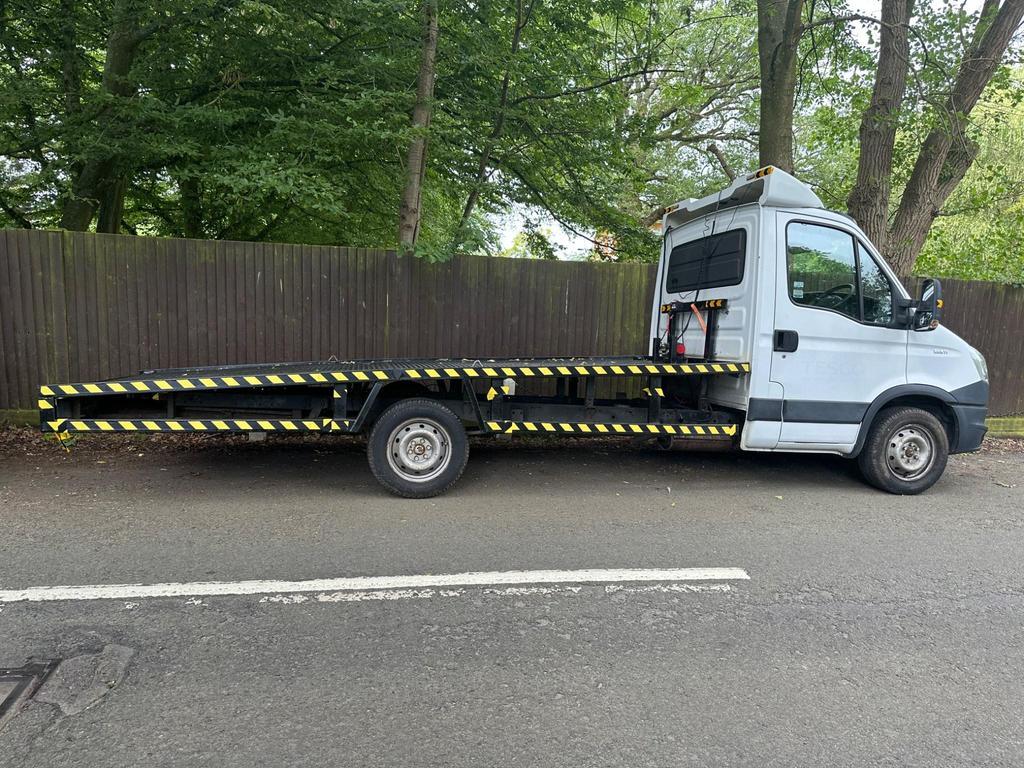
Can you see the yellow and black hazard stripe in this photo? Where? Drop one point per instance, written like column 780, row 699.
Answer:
column 675, row 307
column 196, row 425
column 495, row 392
column 199, row 383
column 583, row 428
column 583, row 369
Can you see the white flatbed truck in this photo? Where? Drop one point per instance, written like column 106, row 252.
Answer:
column 776, row 326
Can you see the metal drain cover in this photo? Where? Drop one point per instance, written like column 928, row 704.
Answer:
column 19, row 683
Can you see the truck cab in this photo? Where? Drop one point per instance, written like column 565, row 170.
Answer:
column 840, row 352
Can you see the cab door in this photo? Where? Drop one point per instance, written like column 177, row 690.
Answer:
column 835, row 346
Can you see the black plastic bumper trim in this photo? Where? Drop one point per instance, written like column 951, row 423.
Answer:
column 970, row 427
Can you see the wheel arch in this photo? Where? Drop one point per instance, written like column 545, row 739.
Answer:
column 933, row 399
column 381, row 396
column 385, row 394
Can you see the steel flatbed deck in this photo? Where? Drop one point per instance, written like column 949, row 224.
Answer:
column 327, row 373
column 344, row 396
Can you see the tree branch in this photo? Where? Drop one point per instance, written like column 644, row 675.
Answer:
column 808, row 26
column 19, row 216
column 726, row 168
column 595, row 86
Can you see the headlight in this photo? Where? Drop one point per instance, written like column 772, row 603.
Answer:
column 979, row 363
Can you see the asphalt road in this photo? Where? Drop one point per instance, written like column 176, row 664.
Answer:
column 874, row 630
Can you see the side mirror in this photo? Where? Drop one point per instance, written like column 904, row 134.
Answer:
column 929, row 306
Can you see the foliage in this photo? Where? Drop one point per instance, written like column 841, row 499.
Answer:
column 289, row 119
column 977, row 233
column 277, row 123
column 533, row 242
column 980, row 234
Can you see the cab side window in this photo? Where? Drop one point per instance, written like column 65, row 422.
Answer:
column 875, row 288
column 828, row 269
column 822, row 268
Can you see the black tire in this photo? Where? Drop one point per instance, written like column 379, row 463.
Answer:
column 905, row 452
column 418, row 448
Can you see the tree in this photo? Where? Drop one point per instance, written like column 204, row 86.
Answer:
column 948, row 151
column 409, row 211
column 250, row 121
column 291, row 120
column 420, row 124
column 779, row 28
column 523, row 12
column 787, row 45
column 616, row 134
column 869, row 199
column 979, row 234
column 694, row 120
column 99, row 177
column 96, row 183
column 945, row 152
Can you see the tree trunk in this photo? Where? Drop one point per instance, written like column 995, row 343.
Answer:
column 81, row 206
column 869, row 199
column 778, row 40
column 77, row 211
column 96, row 182
column 416, row 162
column 522, row 19
column 71, row 64
column 111, row 207
column 947, row 153
column 190, row 196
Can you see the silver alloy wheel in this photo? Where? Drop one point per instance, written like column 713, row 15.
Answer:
column 910, row 451
column 419, row 450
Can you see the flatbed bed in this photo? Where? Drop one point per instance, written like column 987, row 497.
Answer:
column 346, row 396
column 354, row 371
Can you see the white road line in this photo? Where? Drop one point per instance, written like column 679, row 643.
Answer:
column 369, row 583
column 362, row 596
column 613, row 589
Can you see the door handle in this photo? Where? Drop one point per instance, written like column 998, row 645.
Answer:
column 786, row 341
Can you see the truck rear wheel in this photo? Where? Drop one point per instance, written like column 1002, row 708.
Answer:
column 418, row 448
column 905, row 452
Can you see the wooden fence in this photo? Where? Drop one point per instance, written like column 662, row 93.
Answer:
column 80, row 307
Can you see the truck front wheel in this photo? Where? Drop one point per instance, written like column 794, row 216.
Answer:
column 418, row 448
column 905, row 452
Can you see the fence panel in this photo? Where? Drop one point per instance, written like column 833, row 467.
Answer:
column 80, row 306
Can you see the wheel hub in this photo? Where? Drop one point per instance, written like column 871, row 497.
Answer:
column 418, row 449
column 910, row 452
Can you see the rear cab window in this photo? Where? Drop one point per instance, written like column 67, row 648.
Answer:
column 714, row 261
